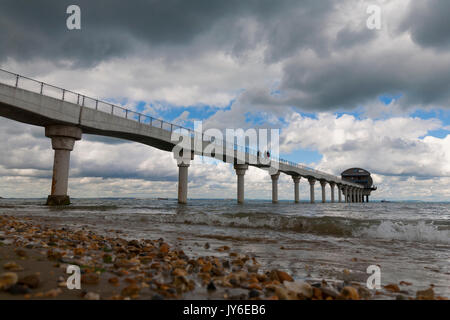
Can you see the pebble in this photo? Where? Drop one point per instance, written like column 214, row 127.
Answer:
column 427, row 294
column 32, row 281
column 253, row 293
column 281, row 293
column 90, row 278
column 280, row 276
column 392, row 287
column 131, row 291
column 349, row 293
column 20, row 253
column 12, row 266
column 53, row 293
column 211, row 286
column 19, row 289
column 300, row 288
column 92, row 296
column 7, row 280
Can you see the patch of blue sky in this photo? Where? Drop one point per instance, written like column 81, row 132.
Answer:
column 388, row 98
column 440, row 114
column 305, row 156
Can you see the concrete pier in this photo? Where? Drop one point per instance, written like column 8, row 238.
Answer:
column 311, row 181
column 183, row 182
column 332, row 184
column 339, row 188
column 323, row 184
column 274, row 178
column 240, row 172
column 50, row 109
column 296, row 180
column 63, row 141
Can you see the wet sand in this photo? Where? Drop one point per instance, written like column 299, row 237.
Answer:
column 34, row 257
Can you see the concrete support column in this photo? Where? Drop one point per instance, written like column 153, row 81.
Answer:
column 350, row 194
column 332, row 184
column 360, row 196
column 339, row 187
column 182, row 182
column 296, row 188
column 240, row 172
column 367, row 198
column 323, row 184
column 311, row 181
column 63, row 141
column 274, row 178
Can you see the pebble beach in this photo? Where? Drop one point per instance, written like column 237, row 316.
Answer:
column 34, row 257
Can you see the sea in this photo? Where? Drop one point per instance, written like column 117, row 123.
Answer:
column 408, row 241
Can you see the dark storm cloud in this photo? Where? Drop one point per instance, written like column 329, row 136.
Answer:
column 325, row 66
column 429, row 23
column 351, row 80
column 37, row 29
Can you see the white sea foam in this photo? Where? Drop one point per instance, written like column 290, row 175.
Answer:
column 419, row 231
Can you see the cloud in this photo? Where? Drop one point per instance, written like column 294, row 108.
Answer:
column 428, row 23
column 175, row 28
column 396, row 146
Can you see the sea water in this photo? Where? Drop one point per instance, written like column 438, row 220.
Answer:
column 334, row 241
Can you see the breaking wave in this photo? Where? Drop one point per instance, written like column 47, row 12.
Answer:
column 422, row 231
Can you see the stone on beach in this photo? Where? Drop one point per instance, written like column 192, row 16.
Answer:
column 299, row 288
column 32, row 281
column 349, row 293
column 280, row 276
column 7, row 280
column 427, row 294
column 92, row 296
column 12, row 266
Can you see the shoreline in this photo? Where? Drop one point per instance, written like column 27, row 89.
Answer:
column 115, row 268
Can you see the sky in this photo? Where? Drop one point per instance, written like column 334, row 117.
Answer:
column 343, row 95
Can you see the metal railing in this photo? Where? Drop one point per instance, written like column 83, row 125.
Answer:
column 52, row 91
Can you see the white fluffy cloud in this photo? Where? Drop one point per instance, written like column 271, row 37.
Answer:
column 394, row 146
